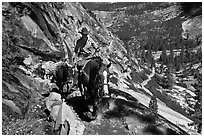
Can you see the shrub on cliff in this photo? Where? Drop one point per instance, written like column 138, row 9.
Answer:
column 13, row 34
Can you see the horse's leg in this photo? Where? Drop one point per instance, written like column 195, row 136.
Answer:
column 92, row 104
column 75, row 78
column 86, row 95
column 80, row 85
column 95, row 108
column 60, row 86
column 62, row 89
column 92, row 90
column 67, row 87
column 96, row 98
column 54, row 79
column 42, row 73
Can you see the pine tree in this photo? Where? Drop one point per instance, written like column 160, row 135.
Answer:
column 150, row 57
column 163, row 57
column 198, row 105
column 177, row 64
column 171, row 56
column 142, row 53
column 153, row 107
column 143, row 56
column 168, row 79
column 182, row 56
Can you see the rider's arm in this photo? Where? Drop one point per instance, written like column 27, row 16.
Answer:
column 76, row 49
column 89, row 47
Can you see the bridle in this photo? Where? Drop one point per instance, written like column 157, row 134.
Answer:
column 101, row 83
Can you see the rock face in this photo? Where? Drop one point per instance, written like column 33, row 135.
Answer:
column 15, row 95
column 57, row 26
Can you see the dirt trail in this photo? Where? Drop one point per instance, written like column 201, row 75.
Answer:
column 146, row 81
column 149, row 78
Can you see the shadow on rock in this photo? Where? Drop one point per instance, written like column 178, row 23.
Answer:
column 171, row 132
column 80, row 107
column 146, row 117
column 153, row 130
column 121, row 93
column 49, row 130
column 120, row 108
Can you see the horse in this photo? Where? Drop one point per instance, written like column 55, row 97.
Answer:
column 62, row 75
column 91, row 78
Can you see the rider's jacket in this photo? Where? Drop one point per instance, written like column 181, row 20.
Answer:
column 80, row 44
column 84, row 46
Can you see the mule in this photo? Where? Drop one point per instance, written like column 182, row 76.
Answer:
column 62, row 76
column 39, row 71
column 91, row 78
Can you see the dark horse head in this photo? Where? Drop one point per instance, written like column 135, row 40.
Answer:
column 62, row 75
column 92, row 80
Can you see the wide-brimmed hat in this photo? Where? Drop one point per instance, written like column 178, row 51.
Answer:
column 84, row 31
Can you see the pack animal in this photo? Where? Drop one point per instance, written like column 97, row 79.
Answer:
column 90, row 81
column 41, row 72
column 62, row 76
